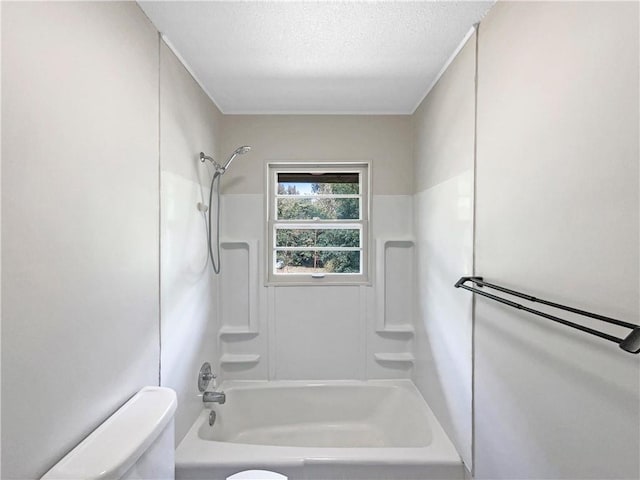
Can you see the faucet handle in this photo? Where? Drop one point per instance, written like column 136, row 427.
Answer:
column 205, row 376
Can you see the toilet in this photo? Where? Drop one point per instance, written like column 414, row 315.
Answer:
column 135, row 443
column 257, row 475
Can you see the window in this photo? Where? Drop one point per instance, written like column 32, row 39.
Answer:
column 318, row 223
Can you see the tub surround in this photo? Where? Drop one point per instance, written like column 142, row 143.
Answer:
column 312, row 332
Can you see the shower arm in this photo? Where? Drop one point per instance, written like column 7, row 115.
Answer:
column 219, row 168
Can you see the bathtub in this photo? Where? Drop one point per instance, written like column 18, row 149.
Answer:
column 346, row 430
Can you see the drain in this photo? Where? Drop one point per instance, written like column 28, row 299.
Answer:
column 212, row 418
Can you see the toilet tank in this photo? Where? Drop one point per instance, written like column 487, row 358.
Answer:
column 136, row 442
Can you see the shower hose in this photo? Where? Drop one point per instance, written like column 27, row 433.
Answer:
column 215, row 259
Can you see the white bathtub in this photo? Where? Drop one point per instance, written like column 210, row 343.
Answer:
column 320, row 430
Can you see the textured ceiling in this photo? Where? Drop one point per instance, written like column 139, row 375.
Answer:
column 315, row 57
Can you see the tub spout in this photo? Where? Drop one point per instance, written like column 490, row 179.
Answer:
column 214, row 397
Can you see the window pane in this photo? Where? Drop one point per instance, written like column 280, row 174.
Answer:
column 318, row 219
column 295, row 261
column 318, row 237
column 318, row 184
column 320, row 208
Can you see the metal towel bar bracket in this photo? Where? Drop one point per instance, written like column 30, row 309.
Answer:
column 630, row 343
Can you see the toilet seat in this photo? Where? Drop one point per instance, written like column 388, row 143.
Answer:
column 257, row 475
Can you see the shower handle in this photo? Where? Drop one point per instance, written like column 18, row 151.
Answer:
column 205, row 376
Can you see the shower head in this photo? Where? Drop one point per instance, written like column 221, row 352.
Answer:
column 238, row 151
column 243, row 149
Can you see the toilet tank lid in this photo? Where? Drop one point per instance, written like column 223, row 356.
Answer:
column 121, row 440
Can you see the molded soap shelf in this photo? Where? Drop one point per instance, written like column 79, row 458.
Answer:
column 406, row 328
column 236, row 331
column 237, row 358
column 394, row 357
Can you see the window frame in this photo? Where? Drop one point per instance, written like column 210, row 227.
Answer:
column 363, row 169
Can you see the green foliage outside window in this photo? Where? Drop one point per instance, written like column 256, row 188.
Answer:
column 316, row 207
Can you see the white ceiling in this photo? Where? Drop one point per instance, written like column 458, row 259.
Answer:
column 315, row 57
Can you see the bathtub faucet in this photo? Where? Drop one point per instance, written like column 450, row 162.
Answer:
column 214, row 397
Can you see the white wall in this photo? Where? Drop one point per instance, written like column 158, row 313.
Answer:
column 79, row 222
column 189, row 123
column 90, row 92
column 383, row 139
column 0, row 248
column 311, row 332
column 557, row 216
column 443, row 224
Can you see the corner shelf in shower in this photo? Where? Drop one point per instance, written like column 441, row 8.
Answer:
column 229, row 331
column 403, row 357
column 231, row 358
column 403, row 329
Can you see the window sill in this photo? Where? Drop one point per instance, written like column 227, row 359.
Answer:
column 316, row 282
